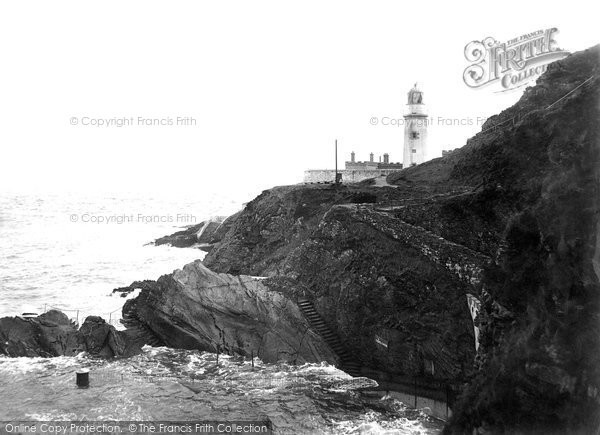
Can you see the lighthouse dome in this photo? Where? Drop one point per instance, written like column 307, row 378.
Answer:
column 415, row 95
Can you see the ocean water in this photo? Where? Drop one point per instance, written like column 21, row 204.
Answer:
column 69, row 252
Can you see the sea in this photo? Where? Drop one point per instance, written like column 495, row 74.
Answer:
column 69, row 252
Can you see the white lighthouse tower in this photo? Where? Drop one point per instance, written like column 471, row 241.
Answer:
column 415, row 129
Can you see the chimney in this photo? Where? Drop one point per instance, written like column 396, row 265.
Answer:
column 352, row 156
column 371, row 157
column 386, row 158
column 379, row 159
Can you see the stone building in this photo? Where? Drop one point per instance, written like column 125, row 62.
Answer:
column 371, row 164
column 355, row 171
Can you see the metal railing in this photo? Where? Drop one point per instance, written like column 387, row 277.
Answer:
column 77, row 311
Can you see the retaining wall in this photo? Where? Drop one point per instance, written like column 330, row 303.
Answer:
column 348, row 176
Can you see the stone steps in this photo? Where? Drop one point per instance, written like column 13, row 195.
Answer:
column 133, row 324
column 348, row 363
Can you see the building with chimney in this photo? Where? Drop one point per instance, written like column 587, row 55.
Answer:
column 414, row 150
column 371, row 163
column 355, row 171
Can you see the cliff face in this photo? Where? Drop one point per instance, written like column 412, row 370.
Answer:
column 371, row 274
column 540, row 371
column 395, row 292
column 535, row 167
column 278, row 221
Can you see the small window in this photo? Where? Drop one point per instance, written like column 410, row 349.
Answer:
column 414, row 135
column 414, row 151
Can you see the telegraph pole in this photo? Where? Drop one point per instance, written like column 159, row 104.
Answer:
column 336, row 171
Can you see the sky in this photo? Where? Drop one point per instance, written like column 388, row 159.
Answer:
column 262, row 88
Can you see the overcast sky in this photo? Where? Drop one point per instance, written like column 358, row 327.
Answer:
column 269, row 84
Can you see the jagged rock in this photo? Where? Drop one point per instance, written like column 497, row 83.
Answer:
column 202, row 235
column 49, row 334
column 52, row 334
column 195, row 308
column 94, row 336
column 278, row 221
column 125, row 291
column 57, row 333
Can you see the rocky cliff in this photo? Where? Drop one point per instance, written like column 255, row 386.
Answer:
column 534, row 172
column 195, row 308
column 538, row 368
column 372, row 275
column 511, row 218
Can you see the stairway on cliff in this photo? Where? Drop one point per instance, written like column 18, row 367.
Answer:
column 347, row 361
column 131, row 321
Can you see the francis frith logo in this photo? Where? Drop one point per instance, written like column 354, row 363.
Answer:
column 511, row 64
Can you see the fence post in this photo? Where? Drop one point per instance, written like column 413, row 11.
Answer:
column 253, row 359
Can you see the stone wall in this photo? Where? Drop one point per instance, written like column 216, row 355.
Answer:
column 348, row 176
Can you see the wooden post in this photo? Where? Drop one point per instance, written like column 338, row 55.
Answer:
column 252, row 359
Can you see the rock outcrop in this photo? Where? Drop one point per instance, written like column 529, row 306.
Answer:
column 50, row 334
column 203, row 235
column 195, row 308
column 136, row 285
column 54, row 334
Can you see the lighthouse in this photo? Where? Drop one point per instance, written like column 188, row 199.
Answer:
column 415, row 129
